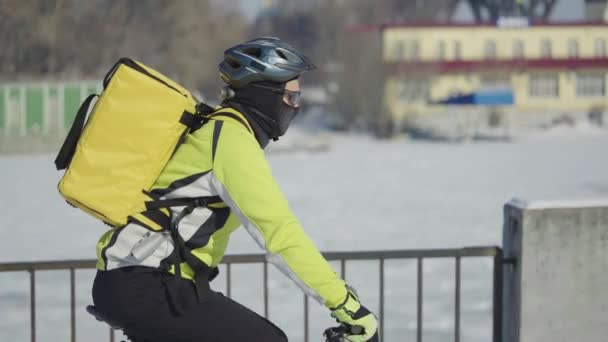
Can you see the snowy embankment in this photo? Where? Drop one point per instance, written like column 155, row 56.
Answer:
column 360, row 194
column 468, row 124
column 300, row 140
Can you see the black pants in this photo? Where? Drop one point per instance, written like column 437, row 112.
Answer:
column 162, row 308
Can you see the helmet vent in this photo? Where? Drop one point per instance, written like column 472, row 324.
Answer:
column 253, row 51
column 233, row 63
column 281, row 54
column 257, row 65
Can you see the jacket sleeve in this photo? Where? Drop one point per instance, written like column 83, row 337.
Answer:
column 242, row 177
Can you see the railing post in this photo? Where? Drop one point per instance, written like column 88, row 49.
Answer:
column 419, row 302
column 381, row 295
column 497, row 297
column 306, row 337
column 32, row 305
column 72, row 305
column 457, row 301
column 266, row 289
column 228, row 280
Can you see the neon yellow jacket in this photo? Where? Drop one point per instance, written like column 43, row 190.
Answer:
column 224, row 159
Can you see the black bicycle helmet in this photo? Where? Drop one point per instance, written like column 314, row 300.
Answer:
column 262, row 59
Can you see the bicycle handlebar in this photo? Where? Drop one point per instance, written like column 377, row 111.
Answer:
column 337, row 334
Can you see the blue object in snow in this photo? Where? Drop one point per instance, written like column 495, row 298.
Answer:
column 481, row 98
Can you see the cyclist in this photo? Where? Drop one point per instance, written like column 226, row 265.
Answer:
column 156, row 284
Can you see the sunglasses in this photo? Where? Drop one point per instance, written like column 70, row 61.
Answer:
column 292, row 98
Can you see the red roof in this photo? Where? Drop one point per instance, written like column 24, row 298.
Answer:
column 541, row 63
column 431, row 24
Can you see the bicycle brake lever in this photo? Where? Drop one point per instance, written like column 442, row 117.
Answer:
column 336, row 334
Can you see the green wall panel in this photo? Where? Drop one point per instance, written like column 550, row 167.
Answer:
column 2, row 111
column 14, row 93
column 14, row 98
column 53, row 107
column 34, row 109
column 72, row 100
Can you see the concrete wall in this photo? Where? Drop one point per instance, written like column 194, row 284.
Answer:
column 556, row 286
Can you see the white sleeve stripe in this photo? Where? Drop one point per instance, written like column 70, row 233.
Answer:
column 256, row 234
column 278, row 262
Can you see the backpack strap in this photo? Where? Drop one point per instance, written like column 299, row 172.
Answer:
column 227, row 112
column 64, row 157
column 190, row 120
column 183, row 202
column 233, row 116
column 203, row 273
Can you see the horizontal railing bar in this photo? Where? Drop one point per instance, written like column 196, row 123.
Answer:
column 414, row 253
column 47, row 265
column 490, row 251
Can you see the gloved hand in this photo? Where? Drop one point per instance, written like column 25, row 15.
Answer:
column 352, row 313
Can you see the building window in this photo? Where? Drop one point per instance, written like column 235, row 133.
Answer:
column 544, row 86
column 441, row 50
column 572, row 48
column 398, row 50
column 412, row 50
column 457, row 50
column 590, row 85
column 413, row 90
column 600, row 48
column 518, row 49
column 490, row 49
column 545, row 48
column 495, row 81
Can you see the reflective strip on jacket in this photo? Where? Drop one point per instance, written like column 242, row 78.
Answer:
column 224, row 158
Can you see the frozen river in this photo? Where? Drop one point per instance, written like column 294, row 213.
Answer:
column 360, row 195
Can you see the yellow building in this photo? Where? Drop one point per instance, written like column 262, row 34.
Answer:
column 561, row 67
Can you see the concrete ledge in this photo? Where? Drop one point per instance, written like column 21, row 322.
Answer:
column 558, row 204
column 556, row 281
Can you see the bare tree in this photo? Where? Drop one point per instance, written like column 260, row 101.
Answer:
column 72, row 38
column 352, row 59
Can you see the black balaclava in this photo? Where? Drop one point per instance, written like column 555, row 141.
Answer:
column 267, row 113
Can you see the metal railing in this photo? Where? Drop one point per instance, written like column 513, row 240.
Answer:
column 342, row 257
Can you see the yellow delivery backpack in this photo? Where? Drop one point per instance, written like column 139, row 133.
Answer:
column 114, row 157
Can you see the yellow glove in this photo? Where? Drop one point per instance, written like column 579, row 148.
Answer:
column 355, row 316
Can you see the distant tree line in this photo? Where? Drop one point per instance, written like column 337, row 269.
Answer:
column 76, row 39
column 186, row 38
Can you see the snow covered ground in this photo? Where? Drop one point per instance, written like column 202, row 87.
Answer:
column 360, row 194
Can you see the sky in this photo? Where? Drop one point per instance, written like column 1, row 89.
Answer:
column 250, row 7
column 564, row 9
column 569, row 10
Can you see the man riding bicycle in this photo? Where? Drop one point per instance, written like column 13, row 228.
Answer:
column 156, row 284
